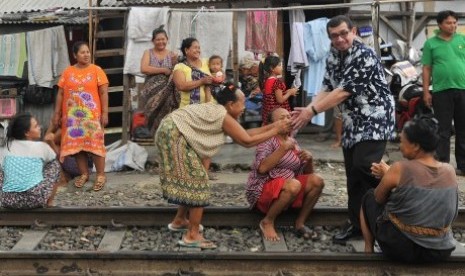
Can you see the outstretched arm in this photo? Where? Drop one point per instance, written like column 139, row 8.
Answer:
column 302, row 115
column 253, row 137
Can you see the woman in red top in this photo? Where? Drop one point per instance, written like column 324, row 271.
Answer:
column 274, row 90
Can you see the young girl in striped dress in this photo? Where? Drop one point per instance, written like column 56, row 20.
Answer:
column 274, row 90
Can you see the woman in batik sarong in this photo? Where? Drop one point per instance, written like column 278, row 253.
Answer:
column 192, row 78
column 158, row 97
column 81, row 110
column 188, row 135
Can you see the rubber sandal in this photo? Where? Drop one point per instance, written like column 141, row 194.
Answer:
column 202, row 244
column 306, row 233
column 99, row 182
column 182, row 228
column 81, row 180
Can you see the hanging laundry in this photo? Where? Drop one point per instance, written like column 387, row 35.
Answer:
column 141, row 23
column 12, row 54
column 47, row 55
column 179, row 28
column 214, row 32
column 261, row 29
column 297, row 56
column 317, row 47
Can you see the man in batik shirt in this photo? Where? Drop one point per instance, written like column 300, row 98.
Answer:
column 355, row 81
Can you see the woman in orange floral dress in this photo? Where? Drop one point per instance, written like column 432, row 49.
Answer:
column 81, row 110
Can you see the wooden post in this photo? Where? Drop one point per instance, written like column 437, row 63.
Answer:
column 90, row 30
column 235, row 52
column 411, row 26
column 128, row 81
column 375, row 24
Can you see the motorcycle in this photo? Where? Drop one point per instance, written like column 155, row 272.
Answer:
column 407, row 89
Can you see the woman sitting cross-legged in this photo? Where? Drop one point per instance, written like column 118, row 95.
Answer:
column 282, row 176
column 411, row 212
column 30, row 171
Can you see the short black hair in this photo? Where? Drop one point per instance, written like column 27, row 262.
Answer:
column 215, row 57
column 77, row 45
column 423, row 130
column 338, row 20
column 442, row 15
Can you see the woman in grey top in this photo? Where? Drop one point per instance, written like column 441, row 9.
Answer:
column 411, row 211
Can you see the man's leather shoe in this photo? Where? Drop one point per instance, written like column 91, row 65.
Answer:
column 349, row 231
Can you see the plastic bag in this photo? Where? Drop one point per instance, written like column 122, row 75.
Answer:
column 128, row 155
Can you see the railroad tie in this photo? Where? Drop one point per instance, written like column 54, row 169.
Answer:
column 29, row 240
column 459, row 249
column 275, row 246
column 112, row 240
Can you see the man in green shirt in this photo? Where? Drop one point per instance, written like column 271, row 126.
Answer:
column 444, row 66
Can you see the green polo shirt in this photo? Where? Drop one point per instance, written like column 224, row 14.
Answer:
column 447, row 59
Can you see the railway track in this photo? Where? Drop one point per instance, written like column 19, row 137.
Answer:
column 108, row 258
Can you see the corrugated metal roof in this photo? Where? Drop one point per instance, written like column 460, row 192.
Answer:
column 15, row 6
column 68, row 11
column 165, row 2
column 72, row 17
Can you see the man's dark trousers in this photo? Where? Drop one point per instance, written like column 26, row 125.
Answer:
column 357, row 161
column 450, row 104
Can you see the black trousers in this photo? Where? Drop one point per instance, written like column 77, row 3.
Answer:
column 357, row 161
column 450, row 105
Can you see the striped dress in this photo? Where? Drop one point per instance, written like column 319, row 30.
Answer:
column 288, row 167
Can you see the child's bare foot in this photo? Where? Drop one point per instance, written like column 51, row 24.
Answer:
column 268, row 231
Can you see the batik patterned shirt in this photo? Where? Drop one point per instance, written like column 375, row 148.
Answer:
column 368, row 113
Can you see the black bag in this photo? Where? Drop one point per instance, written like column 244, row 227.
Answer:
column 39, row 95
column 142, row 132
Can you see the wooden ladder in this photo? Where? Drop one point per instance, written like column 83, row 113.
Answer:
column 108, row 50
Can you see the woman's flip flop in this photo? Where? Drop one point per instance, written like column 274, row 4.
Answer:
column 202, row 244
column 99, row 182
column 81, row 180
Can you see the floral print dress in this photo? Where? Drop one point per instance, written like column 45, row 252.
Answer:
column 81, row 111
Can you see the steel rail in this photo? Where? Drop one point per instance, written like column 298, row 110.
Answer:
column 156, row 216
column 215, row 263
column 159, row 216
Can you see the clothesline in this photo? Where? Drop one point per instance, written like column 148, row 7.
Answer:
column 302, row 7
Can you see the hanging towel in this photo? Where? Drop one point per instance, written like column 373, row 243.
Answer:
column 261, row 28
column 47, row 55
column 141, row 23
column 214, row 33
column 12, row 54
column 179, row 28
column 317, row 46
column 297, row 56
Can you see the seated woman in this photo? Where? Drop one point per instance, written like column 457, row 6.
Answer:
column 30, row 171
column 411, row 211
column 282, row 176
